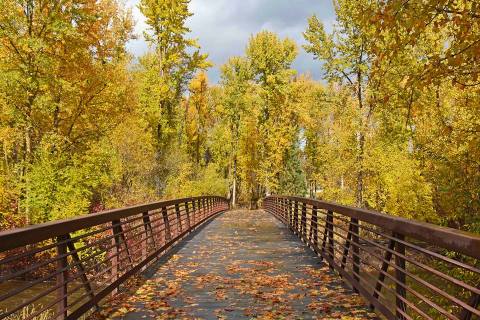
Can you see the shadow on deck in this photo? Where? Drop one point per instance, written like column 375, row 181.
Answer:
column 241, row 265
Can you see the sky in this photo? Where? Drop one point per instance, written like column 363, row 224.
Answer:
column 223, row 27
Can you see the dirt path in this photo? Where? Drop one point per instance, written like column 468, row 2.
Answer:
column 242, row 265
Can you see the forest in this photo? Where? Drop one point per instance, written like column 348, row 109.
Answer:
column 393, row 126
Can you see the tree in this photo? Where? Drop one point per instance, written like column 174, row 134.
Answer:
column 169, row 68
column 197, row 116
column 236, row 102
column 425, row 60
column 270, row 60
column 62, row 80
column 346, row 62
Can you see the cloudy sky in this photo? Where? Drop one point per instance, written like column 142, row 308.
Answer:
column 223, row 27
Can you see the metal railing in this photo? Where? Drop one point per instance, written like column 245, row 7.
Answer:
column 406, row 269
column 62, row 269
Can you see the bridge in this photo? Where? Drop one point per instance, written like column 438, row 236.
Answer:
column 194, row 258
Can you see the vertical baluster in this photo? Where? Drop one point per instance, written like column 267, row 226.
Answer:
column 62, row 264
column 401, row 277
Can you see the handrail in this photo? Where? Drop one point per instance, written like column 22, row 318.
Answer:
column 406, row 269
column 449, row 238
column 18, row 237
column 71, row 265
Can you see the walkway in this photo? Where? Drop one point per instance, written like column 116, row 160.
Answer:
column 242, row 265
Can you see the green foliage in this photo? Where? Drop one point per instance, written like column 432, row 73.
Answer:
column 190, row 182
column 62, row 186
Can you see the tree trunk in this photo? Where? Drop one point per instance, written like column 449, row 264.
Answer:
column 359, row 191
column 234, row 192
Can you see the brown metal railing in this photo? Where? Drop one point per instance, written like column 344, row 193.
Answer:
column 406, row 269
column 62, row 269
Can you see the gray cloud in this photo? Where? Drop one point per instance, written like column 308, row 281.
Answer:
column 223, row 27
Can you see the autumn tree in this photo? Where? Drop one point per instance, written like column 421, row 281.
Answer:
column 270, row 59
column 197, row 116
column 62, row 84
column 346, row 59
column 425, row 58
column 170, row 66
column 236, row 104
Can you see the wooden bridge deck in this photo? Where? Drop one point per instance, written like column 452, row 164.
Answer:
column 241, row 265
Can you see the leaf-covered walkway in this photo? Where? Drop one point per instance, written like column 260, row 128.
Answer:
column 242, row 265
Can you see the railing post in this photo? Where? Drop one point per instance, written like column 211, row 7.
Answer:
column 114, row 258
column 304, row 222
column 474, row 303
column 200, row 210
column 79, row 265
column 206, row 208
column 119, row 237
column 62, row 264
column 187, row 211
column 331, row 244
column 179, row 218
column 194, row 212
column 356, row 248
column 166, row 222
column 385, row 264
column 288, row 204
column 279, row 208
column 295, row 218
column 401, row 292
column 274, row 204
column 313, row 228
column 147, row 225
